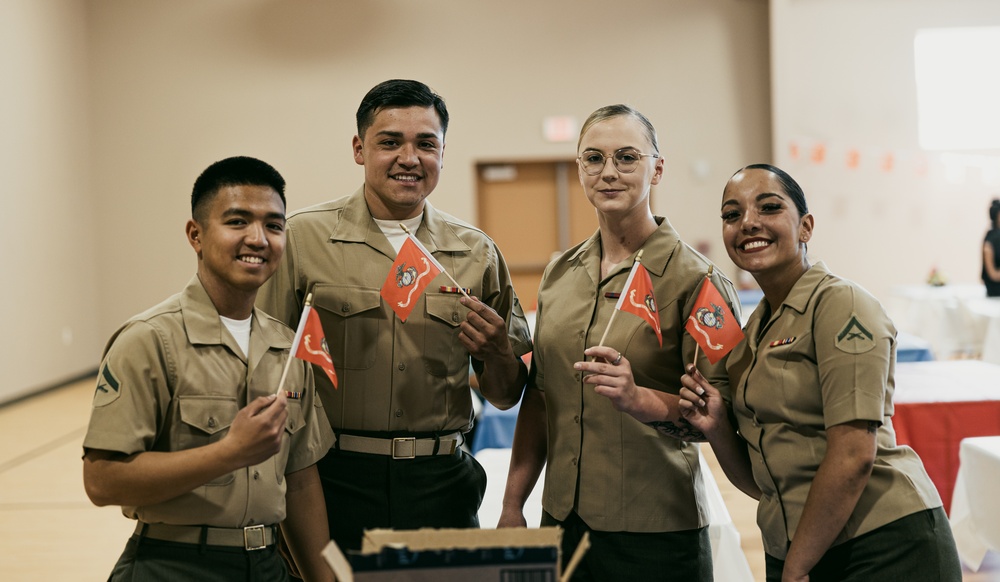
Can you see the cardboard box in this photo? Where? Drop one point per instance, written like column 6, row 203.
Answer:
column 445, row 555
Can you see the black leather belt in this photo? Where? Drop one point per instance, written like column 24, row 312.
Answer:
column 253, row 537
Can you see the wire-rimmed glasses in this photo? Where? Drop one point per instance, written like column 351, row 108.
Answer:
column 626, row 160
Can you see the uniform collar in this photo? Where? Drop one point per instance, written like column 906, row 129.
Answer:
column 803, row 289
column 357, row 225
column 656, row 250
column 203, row 326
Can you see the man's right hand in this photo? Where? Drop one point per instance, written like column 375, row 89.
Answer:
column 258, row 429
column 512, row 518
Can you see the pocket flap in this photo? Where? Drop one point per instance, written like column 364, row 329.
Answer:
column 445, row 308
column 210, row 414
column 345, row 301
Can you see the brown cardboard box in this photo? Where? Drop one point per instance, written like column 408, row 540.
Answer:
column 446, row 555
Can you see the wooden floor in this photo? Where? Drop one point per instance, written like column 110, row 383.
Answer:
column 49, row 530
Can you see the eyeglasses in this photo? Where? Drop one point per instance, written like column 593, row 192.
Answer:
column 626, row 160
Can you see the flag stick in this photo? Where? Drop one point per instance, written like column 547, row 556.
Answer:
column 708, row 277
column 291, row 353
column 638, row 259
column 446, row 273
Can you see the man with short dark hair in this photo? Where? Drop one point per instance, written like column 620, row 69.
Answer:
column 187, row 432
column 404, row 401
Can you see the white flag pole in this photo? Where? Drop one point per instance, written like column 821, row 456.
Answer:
column 295, row 342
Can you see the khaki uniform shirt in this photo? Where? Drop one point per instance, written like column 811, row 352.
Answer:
column 395, row 377
column 617, row 473
column 173, row 378
column 826, row 357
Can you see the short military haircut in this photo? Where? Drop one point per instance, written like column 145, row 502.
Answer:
column 399, row 93
column 235, row 171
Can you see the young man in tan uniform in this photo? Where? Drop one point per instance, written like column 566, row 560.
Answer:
column 187, row 433
column 403, row 400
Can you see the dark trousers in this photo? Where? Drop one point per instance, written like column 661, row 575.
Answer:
column 374, row 491
column 916, row 548
column 149, row 560
column 680, row 555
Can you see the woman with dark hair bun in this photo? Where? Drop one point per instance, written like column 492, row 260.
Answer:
column 991, row 252
column 809, row 429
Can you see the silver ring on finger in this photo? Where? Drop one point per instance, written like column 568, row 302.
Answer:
column 617, row 360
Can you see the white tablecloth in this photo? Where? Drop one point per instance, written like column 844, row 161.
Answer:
column 729, row 562
column 975, row 507
column 940, row 315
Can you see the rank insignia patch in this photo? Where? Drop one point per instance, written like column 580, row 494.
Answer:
column 108, row 387
column 854, row 337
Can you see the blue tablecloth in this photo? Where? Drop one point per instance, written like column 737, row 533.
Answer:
column 494, row 428
column 910, row 348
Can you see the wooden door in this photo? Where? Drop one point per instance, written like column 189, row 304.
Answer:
column 532, row 210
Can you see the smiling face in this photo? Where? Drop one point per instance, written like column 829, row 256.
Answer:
column 761, row 227
column 612, row 191
column 402, row 152
column 239, row 238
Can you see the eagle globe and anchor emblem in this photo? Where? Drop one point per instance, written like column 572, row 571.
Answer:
column 711, row 318
column 406, row 276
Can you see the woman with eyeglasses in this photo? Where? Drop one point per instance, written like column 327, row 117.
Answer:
column 629, row 482
column 812, row 391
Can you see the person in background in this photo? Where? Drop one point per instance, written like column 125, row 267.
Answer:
column 812, row 391
column 637, row 491
column 187, row 432
column 991, row 252
column 403, row 401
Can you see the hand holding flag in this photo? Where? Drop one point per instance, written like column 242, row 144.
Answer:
column 712, row 325
column 310, row 344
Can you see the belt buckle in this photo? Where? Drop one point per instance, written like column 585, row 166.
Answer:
column 251, row 533
column 401, row 440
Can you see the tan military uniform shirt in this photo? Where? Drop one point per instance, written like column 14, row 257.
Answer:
column 826, row 357
column 173, row 378
column 617, row 473
column 397, row 377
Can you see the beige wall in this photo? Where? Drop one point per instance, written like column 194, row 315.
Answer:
column 50, row 290
column 844, row 77
column 178, row 85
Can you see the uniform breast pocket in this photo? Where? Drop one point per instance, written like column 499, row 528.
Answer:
column 443, row 352
column 204, row 420
column 351, row 317
column 293, row 424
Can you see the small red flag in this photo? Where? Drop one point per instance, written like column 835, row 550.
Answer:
column 310, row 343
column 412, row 272
column 712, row 324
column 637, row 298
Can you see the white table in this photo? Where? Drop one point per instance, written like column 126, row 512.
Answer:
column 728, row 560
column 975, row 507
column 939, row 315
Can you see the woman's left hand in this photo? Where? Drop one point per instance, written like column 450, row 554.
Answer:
column 611, row 375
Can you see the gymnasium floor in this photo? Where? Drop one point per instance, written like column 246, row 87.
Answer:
column 49, row 530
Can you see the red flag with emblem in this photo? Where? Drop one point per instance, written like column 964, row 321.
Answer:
column 310, row 343
column 412, row 272
column 712, row 324
column 637, row 298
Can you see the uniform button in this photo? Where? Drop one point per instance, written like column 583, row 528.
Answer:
column 580, row 334
column 345, row 307
column 399, row 412
column 574, row 462
column 402, row 366
column 252, row 521
column 211, row 422
column 576, row 419
column 454, row 316
column 256, row 475
column 577, row 377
